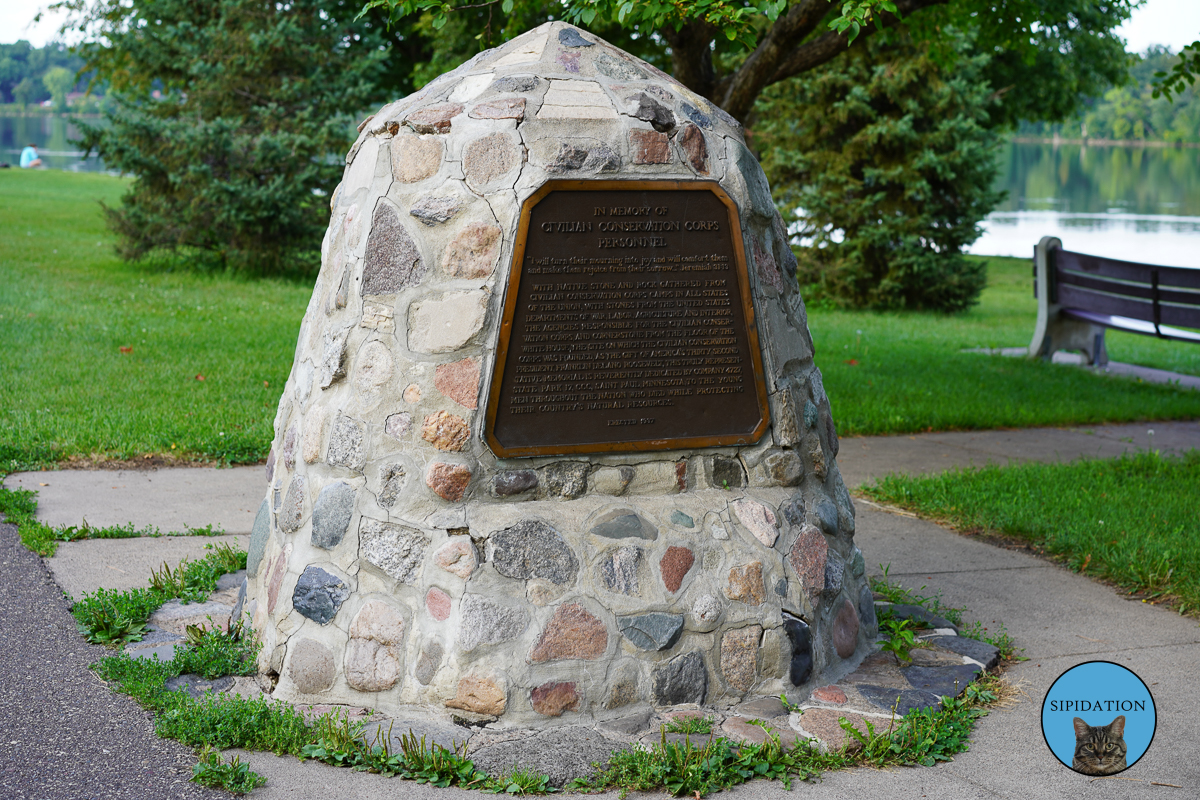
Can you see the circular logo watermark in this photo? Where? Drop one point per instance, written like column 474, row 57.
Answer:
column 1098, row 718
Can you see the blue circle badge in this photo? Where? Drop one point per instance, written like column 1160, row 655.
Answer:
column 1098, row 718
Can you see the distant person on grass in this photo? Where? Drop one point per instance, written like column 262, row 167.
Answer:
column 30, row 158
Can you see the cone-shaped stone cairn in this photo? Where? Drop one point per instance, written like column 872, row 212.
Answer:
column 398, row 561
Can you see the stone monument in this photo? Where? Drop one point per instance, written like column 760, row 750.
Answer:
column 553, row 445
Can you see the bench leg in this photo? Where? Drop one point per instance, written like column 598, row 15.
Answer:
column 1070, row 334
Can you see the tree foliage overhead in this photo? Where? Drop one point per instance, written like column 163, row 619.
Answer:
column 233, row 156
column 1045, row 55
column 889, row 156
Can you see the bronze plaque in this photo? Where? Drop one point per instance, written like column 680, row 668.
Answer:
column 627, row 324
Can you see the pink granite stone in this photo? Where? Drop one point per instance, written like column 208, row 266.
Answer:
column 674, row 567
column 571, row 633
column 459, row 381
column 807, row 558
column 438, row 603
column 845, row 630
column 457, row 557
column 448, row 481
column 552, row 699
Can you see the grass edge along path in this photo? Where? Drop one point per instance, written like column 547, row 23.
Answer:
column 224, row 721
column 19, row 507
column 1129, row 520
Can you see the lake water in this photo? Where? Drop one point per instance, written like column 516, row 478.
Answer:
column 53, row 136
column 1132, row 203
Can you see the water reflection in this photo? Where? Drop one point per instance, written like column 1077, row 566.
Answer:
column 53, row 136
column 1132, row 203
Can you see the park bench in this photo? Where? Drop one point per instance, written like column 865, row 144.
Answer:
column 1080, row 296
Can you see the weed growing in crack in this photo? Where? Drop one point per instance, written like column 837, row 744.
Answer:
column 683, row 768
column 690, row 725
column 233, row 776
column 112, row 618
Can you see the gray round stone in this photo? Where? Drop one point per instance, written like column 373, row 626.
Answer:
column 331, row 514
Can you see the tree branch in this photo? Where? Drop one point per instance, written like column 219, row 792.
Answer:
column 691, row 55
column 783, row 53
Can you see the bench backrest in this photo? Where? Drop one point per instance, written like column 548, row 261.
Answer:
column 1161, row 295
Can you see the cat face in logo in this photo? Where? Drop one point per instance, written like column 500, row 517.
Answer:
column 1100, row 749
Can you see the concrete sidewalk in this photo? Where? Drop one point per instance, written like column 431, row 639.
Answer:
column 1061, row 619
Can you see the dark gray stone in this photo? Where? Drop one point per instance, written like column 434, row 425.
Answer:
column 810, row 415
column 903, row 700
column 514, row 83
column 532, row 549
column 567, row 159
column 392, row 477
column 346, row 445
column 793, row 510
column 653, row 631
column 984, row 653
column 331, row 515
column 562, row 754
column 436, row 210
column 835, row 573
column 393, row 261
column 831, row 436
column 318, row 594
column 197, row 685
column 827, row 516
column 917, row 614
column 602, row 159
column 514, row 481
column 647, row 109
column 697, row 116
column 428, row 662
column 617, row 68
column 619, row 570
column 231, row 580
column 727, row 473
column 569, row 37
column 781, row 587
column 258, row 538
column 784, row 467
column 800, row 635
column 683, row 679
column 858, row 566
column 292, row 514
column 631, row 723
column 566, row 479
column 623, row 523
column 949, row 681
column 762, row 708
column 761, row 203
column 682, row 519
column 866, row 608
column 240, row 603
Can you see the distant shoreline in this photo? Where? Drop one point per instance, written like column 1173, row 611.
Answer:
column 1055, row 140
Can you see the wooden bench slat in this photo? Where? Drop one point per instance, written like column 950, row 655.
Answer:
column 1077, row 298
column 1100, row 266
column 1132, row 325
column 1104, row 285
column 1179, row 315
column 1143, row 290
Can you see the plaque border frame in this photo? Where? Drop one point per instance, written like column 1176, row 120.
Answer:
column 509, row 309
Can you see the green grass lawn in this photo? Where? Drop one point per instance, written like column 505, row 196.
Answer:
column 906, row 372
column 1130, row 520
column 68, row 306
